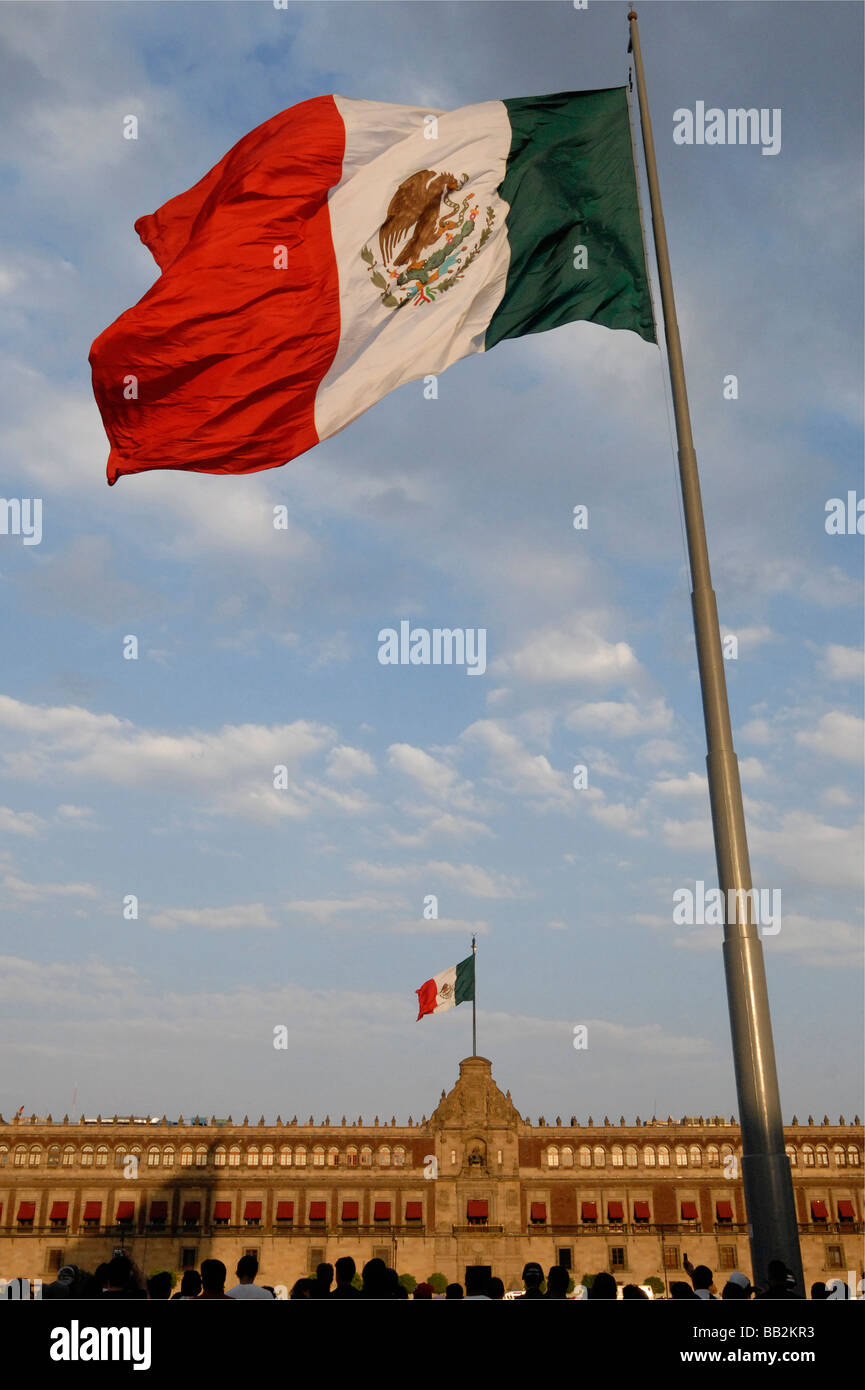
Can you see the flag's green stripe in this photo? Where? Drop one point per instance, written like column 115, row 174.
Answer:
column 464, row 988
column 570, row 181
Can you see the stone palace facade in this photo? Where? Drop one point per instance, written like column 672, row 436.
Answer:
column 475, row 1184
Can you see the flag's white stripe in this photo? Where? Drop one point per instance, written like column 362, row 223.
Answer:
column 382, row 348
column 445, row 990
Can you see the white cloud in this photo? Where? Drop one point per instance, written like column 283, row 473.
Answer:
column 20, row 822
column 575, row 653
column 622, row 718
column 693, row 784
column 837, row 735
column 514, row 768
column 345, row 763
column 471, row 878
column 212, row 918
column 843, row 663
column 38, row 892
column 812, row 851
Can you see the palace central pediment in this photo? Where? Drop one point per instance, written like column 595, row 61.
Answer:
column 475, row 1100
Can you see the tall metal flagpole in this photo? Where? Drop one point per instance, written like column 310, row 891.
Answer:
column 474, row 997
column 772, row 1225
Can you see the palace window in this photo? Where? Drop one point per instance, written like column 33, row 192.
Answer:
column 285, row 1157
column 681, row 1156
column 840, row 1156
column 234, row 1156
column 219, row 1157
column 267, row 1156
column 252, row 1157
column 791, row 1154
column 300, row 1156
column 726, row 1257
column 663, row 1157
column 630, row 1157
column 54, row 1156
column 585, row 1156
column 120, row 1156
column 713, row 1157
column 68, row 1156
column 384, row 1156
column 399, row 1158
column 4, row 1154
column 807, row 1156
column 853, row 1156
column 54, row 1261
column 552, row 1157
column 153, row 1158
column 671, row 1257
column 617, row 1257
column 201, row 1157
column 332, row 1158
column 618, row 1156
column 168, row 1158
column 318, row 1156
column 351, row 1158
column 695, row 1156
column 35, row 1157
column 822, row 1156
column 834, row 1257
column 600, row 1156
column 186, row 1157
column 567, row 1157
column 366, row 1157
column 86, row 1156
column 102, row 1156
column 649, row 1156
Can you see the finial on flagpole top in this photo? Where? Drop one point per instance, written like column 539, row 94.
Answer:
column 632, row 14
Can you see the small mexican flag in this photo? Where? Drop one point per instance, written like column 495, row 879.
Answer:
column 346, row 247
column 445, row 991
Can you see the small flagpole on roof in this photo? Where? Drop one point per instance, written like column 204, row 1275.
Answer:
column 474, row 996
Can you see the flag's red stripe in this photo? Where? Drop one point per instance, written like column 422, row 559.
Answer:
column 227, row 350
column 426, row 998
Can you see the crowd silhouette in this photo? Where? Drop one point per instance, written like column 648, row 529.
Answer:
column 121, row 1278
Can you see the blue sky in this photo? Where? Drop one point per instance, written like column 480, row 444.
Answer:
column 154, row 777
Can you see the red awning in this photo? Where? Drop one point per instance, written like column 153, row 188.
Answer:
column 285, row 1211
column 349, row 1211
column 381, row 1211
column 317, row 1211
column 125, row 1211
column 818, row 1211
column 414, row 1211
column 641, row 1211
column 724, row 1211
column 26, row 1211
column 689, row 1211
column 845, row 1211
column 158, row 1211
column 478, row 1208
column 222, row 1211
column 590, row 1211
column 615, row 1211
column 59, row 1211
column 252, row 1211
column 539, row 1211
column 92, row 1211
column 191, row 1211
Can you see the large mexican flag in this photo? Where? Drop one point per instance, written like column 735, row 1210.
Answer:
column 346, row 247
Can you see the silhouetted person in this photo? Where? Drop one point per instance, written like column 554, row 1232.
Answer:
column 778, row 1282
column 533, row 1277
column 701, row 1278
column 557, row 1282
column 476, row 1283
column 454, row 1291
column 301, row 1288
column 159, row 1285
column 345, row 1272
column 423, row 1291
column 682, row 1290
column 818, row 1292
column 246, row 1288
column 375, row 1280
column 737, row 1286
column 603, row 1286
column 320, row 1286
column 64, row 1286
column 190, row 1285
column 496, row 1288
column 634, row 1291
column 213, row 1274
column 123, row 1279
